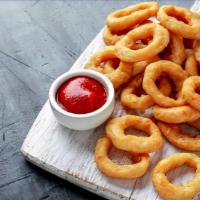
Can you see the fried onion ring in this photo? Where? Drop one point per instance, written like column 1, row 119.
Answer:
column 115, row 131
column 176, row 47
column 152, row 73
column 125, row 18
column 130, row 99
column 180, row 139
column 176, row 115
column 108, row 167
column 159, row 42
column 169, row 191
column 118, row 75
column 189, row 91
column 180, row 21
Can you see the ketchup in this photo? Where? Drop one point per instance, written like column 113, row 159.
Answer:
column 81, row 94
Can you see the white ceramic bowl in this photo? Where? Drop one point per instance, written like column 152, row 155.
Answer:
column 82, row 121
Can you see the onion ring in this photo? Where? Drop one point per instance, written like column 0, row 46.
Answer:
column 169, row 191
column 160, row 41
column 152, row 73
column 119, row 75
column 180, row 21
column 178, row 138
column 108, row 167
column 189, row 91
column 176, row 115
column 177, row 52
column 125, row 18
column 191, row 65
column 130, row 99
column 115, row 131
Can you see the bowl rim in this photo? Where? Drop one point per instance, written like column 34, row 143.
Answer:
column 81, row 72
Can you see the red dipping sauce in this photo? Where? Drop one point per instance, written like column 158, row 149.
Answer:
column 81, row 95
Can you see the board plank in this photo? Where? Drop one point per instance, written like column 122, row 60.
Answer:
column 69, row 154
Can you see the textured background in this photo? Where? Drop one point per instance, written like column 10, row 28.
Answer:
column 39, row 40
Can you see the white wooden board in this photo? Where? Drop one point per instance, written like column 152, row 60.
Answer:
column 69, row 154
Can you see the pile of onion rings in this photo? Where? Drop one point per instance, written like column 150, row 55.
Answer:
column 152, row 57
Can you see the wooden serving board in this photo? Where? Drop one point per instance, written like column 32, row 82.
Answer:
column 69, row 154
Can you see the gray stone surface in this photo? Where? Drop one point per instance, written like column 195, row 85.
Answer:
column 39, row 40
